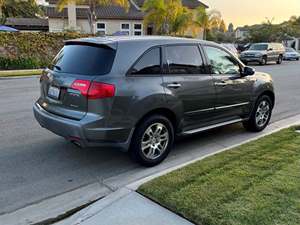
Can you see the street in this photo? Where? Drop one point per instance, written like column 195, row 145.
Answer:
column 36, row 164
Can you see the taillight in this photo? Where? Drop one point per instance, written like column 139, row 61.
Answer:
column 101, row 90
column 82, row 86
column 94, row 90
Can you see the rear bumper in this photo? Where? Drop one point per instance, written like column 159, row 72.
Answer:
column 84, row 132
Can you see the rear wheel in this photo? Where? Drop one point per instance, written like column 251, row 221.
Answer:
column 152, row 141
column 261, row 115
column 279, row 60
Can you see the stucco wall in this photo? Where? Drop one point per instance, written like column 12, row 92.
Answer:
column 112, row 26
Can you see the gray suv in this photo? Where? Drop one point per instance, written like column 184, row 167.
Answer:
column 139, row 93
column 264, row 53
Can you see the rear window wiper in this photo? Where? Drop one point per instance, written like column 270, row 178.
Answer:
column 56, row 67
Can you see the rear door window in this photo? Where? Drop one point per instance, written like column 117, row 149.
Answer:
column 149, row 63
column 84, row 60
column 184, row 59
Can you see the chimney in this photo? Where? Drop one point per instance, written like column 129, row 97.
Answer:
column 72, row 15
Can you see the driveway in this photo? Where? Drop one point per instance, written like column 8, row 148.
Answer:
column 36, row 164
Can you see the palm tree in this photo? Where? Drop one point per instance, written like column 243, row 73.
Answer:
column 156, row 12
column 166, row 16
column 207, row 20
column 92, row 7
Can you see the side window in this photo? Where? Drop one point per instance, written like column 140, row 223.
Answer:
column 221, row 62
column 149, row 63
column 184, row 60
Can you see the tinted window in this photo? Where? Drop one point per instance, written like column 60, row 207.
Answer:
column 83, row 59
column 149, row 63
column 184, row 60
column 221, row 62
column 259, row 47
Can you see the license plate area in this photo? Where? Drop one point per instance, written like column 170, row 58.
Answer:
column 54, row 92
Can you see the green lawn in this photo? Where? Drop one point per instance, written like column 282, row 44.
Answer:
column 257, row 183
column 14, row 73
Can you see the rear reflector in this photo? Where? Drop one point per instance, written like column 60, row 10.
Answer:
column 94, row 90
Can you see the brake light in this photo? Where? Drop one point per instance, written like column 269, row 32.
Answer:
column 101, row 90
column 82, row 86
column 94, row 90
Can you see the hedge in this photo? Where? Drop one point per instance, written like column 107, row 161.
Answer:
column 31, row 50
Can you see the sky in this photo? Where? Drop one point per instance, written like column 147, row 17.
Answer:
column 249, row 12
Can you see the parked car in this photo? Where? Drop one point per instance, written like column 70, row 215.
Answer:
column 140, row 93
column 263, row 53
column 243, row 47
column 231, row 47
column 291, row 54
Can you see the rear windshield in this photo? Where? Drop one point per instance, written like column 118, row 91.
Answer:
column 84, row 60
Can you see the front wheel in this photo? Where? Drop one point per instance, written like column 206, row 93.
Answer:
column 279, row 60
column 264, row 60
column 152, row 141
column 261, row 115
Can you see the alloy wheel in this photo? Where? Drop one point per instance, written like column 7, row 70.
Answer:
column 155, row 141
column 262, row 113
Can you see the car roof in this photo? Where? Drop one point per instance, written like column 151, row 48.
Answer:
column 155, row 40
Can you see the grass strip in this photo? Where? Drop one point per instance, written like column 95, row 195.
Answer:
column 15, row 73
column 255, row 183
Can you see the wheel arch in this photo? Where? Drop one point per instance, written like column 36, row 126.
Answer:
column 161, row 111
column 269, row 94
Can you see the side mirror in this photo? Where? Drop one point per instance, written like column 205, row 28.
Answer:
column 270, row 49
column 248, row 71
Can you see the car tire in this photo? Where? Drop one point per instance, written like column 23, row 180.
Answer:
column 264, row 60
column 261, row 115
column 157, row 145
column 279, row 60
column 298, row 59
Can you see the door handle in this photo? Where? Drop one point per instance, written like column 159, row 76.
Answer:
column 174, row 85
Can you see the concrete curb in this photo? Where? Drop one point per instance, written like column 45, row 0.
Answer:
column 122, row 192
column 135, row 185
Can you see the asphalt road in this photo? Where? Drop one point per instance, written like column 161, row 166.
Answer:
column 36, row 164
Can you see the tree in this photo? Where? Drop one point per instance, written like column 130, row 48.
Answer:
column 230, row 28
column 92, row 7
column 222, row 27
column 20, row 8
column 167, row 16
column 207, row 20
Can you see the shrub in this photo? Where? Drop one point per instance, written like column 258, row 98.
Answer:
column 31, row 50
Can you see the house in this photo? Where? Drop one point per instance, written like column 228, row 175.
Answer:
column 110, row 19
column 28, row 24
column 241, row 33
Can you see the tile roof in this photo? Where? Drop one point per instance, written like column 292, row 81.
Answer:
column 31, row 22
column 108, row 12
column 192, row 4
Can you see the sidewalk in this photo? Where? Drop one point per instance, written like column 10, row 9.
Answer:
column 126, row 206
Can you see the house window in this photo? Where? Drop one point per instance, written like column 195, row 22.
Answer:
column 101, row 28
column 125, row 27
column 138, row 29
